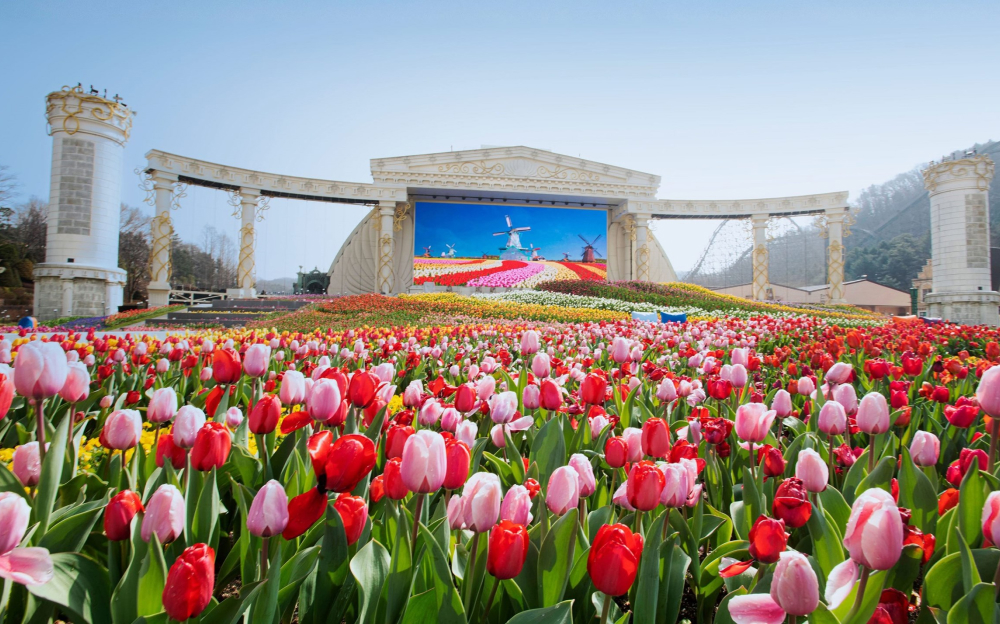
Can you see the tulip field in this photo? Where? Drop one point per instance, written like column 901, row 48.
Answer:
column 527, row 459
column 494, row 273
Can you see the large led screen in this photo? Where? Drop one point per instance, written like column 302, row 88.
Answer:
column 507, row 246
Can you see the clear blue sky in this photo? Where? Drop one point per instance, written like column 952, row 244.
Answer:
column 723, row 99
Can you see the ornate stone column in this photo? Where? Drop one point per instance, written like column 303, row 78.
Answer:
column 640, row 261
column 384, row 279
column 759, row 255
column 835, row 254
column 960, row 241
column 160, row 234
column 246, row 269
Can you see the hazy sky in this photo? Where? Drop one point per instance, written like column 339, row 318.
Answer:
column 725, row 100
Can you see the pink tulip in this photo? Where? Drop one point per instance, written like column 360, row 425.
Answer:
column 162, row 364
column 782, row 403
column 77, row 386
column 833, row 418
column 840, row 583
column 988, row 392
column 516, row 505
column 666, row 392
column 268, row 513
column 839, row 373
column 424, row 462
column 456, row 509
column 413, row 395
column 813, row 471
column 293, row 388
column 430, row 412
column 325, row 401
column 794, row 586
column 873, row 414
column 620, row 497
column 122, row 429
column 755, row 609
column 481, row 502
column 256, row 360
column 164, row 515
column 503, row 406
column 874, row 534
column 925, row 448
column 27, row 465
column 233, row 417
column 739, row 376
column 753, row 421
column 806, row 386
column 677, row 485
column 450, row 418
column 585, row 472
column 563, row 491
column 531, row 397
column 188, row 423
column 620, row 349
column 40, row 370
column 27, row 566
column 466, row 432
column 498, row 431
column 847, row 397
column 5, row 347
column 107, row 401
column 14, row 516
column 740, row 356
column 206, row 374
column 541, row 366
column 486, row 386
column 162, row 406
column 385, row 372
column 991, row 517
column 633, row 438
column 529, row 342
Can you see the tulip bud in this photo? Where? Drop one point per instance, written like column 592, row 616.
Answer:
column 516, row 505
column 655, row 438
column 585, row 473
column 264, row 415
column 563, row 492
column 40, row 370
column 613, row 561
column 211, row 447
column 77, row 386
column 27, row 464
column 188, row 589
column 508, row 550
column 293, row 388
column 424, row 463
column 268, row 513
column 256, row 360
column 162, row 405
column 481, row 502
column 234, row 417
column 925, row 448
column 118, row 515
column 794, row 585
column 873, row 414
column 874, row 535
column 833, row 418
column 164, row 515
column 122, row 429
column 813, row 471
column 187, row 424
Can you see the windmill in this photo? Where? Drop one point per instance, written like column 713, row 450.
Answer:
column 513, row 249
column 565, row 256
column 427, row 252
column 534, row 252
column 588, row 251
column 451, row 251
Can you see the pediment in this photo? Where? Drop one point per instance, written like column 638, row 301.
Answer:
column 516, row 162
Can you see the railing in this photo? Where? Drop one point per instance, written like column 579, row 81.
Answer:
column 192, row 297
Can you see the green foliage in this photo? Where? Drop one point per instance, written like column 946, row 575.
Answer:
column 894, row 263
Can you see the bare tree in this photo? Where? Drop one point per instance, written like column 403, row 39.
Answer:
column 31, row 228
column 134, row 249
column 8, row 184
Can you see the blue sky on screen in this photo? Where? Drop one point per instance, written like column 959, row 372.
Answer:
column 470, row 228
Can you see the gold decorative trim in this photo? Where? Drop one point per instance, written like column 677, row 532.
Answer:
column 566, row 173
column 835, row 269
column 179, row 193
column 71, row 101
column 402, row 208
column 245, row 269
column 480, row 168
column 236, row 201
column 385, row 272
column 981, row 167
column 146, row 185
column 162, row 230
column 642, row 263
column 263, row 205
column 519, row 169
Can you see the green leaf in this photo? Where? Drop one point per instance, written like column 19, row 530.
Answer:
column 916, row 493
column 70, row 532
column 51, row 476
column 205, row 528
column 873, row 591
column 152, row 578
column 970, row 574
column 648, row 582
column 976, row 607
column 266, row 606
column 449, row 603
column 556, row 558
column 370, row 567
column 230, row 610
column 673, row 566
column 971, row 499
column 80, row 585
column 548, row 450
column 722, row 615
column 514, row 458
column 558, row 614
column 400, row 574
column 10, row 483
column 421, row 609
column 880, row 477
column 827, row 541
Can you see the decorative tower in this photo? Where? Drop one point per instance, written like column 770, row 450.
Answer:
column 960, row 241
column 80, row 275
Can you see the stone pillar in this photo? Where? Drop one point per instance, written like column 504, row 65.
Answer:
column 640, row 260
column 89, row 133
column 835, row 255
column 384, row 281
column 161, row 231
column 246, row 269
column 960, row 241
column 759, row 255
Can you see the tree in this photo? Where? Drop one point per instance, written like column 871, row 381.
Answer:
column 894, row 263
column 133, row 250
column 31, row 228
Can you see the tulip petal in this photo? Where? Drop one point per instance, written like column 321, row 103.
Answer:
column 840, row 582
column 303, row 512
column 295, row 421
column 28, row 566
column 755, row 609
column 735, row 569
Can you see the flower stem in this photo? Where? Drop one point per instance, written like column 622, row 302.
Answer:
column 40, row 433
column 871, row 453
column 416, row 524
column 263, row 560
column 489, row 602
column 861, row 593
column 996, row 582
column 606, row 609
column 470, row 572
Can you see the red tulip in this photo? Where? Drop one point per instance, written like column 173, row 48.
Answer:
column 956, row 471
column 265, row 414
column 772, row 461
column 119, row 513
column 226, row 366
column 353, row 512
column 395, row 440
column 377, row 489
column 961, row 416
column 361, row 391
column 550, row 395
column 166, row 449
column 508, row 549
column 393, row 480
column 767, row 539
column 459, row 459
column 594, row 389
column 190, row 582
column 947, row 500
column 644, row 486
column 318, row 448
column 211, row 447
column 791, row 503
column 940, row 394
column 719, row 389
column 655, row 438
column 349, row 460
column 614, row 556
column 303, row 511
column 465, row 398
column 616, row 452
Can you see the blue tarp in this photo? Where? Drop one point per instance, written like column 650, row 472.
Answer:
column 666, row 317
